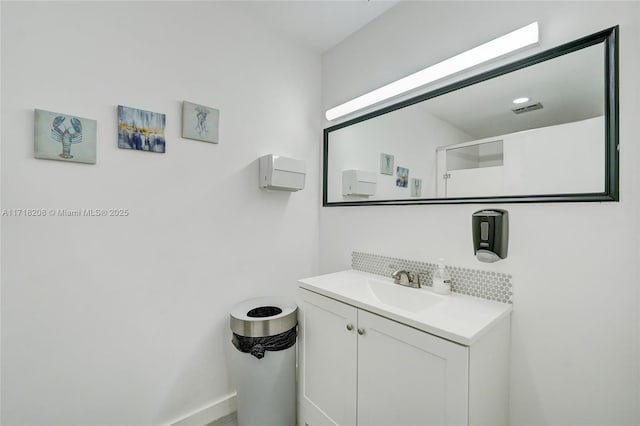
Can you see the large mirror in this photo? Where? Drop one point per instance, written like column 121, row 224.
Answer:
column 541, row 129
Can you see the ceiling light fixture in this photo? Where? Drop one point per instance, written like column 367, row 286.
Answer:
column 501, row 46
column 520, row 100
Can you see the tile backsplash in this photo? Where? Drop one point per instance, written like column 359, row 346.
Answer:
column 474, row 282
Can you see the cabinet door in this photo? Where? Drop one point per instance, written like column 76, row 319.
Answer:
column 328, row 357
column 407, row 377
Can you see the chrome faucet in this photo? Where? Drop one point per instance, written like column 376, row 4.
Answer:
column 405, row 278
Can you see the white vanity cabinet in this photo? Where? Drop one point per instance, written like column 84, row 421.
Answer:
column 360, row 368
column 327, row 361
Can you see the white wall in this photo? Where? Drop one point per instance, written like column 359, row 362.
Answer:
column 562, row 159
column 566, row 158
column 114, row 321
column 575, row 325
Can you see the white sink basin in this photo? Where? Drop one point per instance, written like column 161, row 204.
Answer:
column 455, row 317
column 401, row 297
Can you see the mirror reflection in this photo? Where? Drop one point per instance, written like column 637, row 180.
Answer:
column 539, row 130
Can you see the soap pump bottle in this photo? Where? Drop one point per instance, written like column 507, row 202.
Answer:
column 441, row 279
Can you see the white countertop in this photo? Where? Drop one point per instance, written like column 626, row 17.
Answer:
column 456, row 317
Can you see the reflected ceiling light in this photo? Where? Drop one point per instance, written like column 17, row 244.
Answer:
column 520, row 100
column 508, row 43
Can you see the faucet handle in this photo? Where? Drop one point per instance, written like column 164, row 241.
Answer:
column 414, row 278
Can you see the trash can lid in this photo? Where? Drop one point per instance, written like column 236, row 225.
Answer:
column 263, row 316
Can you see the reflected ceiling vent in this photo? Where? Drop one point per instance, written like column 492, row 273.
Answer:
column 527, row 108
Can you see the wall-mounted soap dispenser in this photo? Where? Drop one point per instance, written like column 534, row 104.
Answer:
column 281, row 173
column 490, row 235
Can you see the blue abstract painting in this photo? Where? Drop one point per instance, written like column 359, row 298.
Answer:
column 64, row 137
column 403, row 177
column 141, row 130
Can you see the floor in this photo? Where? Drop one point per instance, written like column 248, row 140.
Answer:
column 230, row 420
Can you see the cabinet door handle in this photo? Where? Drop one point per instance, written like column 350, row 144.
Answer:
column 361, row 331
column 349, row 327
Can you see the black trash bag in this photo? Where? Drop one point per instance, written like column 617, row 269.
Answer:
column 257, row 346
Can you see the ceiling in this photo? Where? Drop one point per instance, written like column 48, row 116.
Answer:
column 317, row 25
column 570, row 88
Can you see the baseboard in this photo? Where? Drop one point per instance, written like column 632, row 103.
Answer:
column 209, row 413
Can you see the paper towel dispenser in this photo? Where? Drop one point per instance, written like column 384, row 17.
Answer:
column 358, row 182
column 490, row 235
column 281, row 173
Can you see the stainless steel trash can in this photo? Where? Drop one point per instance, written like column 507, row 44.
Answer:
column 264, row 334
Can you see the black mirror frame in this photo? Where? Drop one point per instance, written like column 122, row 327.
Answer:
column 609, row 37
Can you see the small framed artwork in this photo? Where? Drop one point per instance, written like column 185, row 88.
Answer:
column 386, row 164
column 416, row 187
column 64, row 137
column 141, row 130
column 200, row 122
column 402, row 178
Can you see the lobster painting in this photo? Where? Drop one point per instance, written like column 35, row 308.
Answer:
column 66, row 133
column 53, row 128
